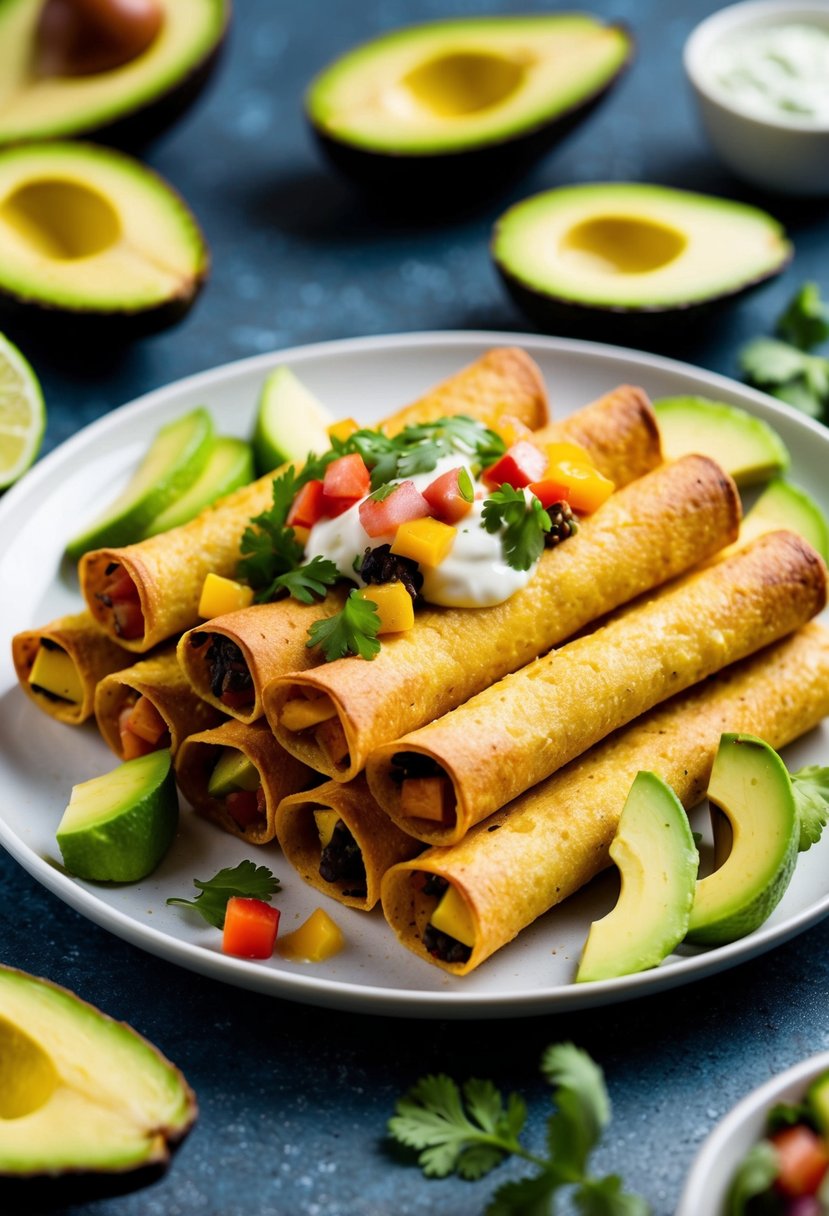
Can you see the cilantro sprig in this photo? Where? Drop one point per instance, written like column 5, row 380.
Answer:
column 523, row 523
column 784, row 366
column 247, row 880
column 470, row 1130
column 810, row 787
column 352, row 630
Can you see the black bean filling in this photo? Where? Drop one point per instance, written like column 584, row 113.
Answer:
column 447, row 949
column 226, row 665
column 414, row 764
column 49, row 644
column 49, row 695
column 342, row 861
column 434, row 885
column 380, row 565
column 563, row 522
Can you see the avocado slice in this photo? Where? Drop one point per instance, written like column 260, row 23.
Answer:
column 233, row 771
column 128, row 103
column 88, row 1108
column 658, row 860
column 783, row 505
column 632, row 253
column 756, row 834
column 117, row 827
column 817, row 1099
column 229, row 465
column 290, row 422
column 173, row 461
column 89, row 234
column 463, row 104
column 745, row 446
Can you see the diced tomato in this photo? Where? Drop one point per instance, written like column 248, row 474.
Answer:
column 549, row 491
column 332, row 507
column 803, row 1158
column 307, row 507
column 132, row 746
column 404, row 503
column 244, row 806
column 146, row 722
column 250, row 928
column 520, row 465
column 238, row 698
column 119, row 586
column 128, row 619
column 445, row 498
column 347, row 477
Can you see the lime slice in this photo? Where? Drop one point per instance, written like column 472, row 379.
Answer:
column 22, row 414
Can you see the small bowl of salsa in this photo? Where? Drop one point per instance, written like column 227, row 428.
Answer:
column 760, row 75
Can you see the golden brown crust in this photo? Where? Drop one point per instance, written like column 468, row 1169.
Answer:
column 160, row 679
column 527, row 726
column 619, row 430
column 381, row 843
column 94, row 654
column 648, row 532
column 281, row 774
column 553, row 839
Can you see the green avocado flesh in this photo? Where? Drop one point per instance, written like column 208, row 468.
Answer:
column 782, row 505
column 38, row 107
column 756, row 831
column 118, row 827
column 290, row 422
column 233, row 771
column 636, row 246
column 745, row 446
column 451, row 86
column 817, row 1099
column 657, row 859
column 79, row 1091
column 175, row 459
column 229, row 465
column 87, row 230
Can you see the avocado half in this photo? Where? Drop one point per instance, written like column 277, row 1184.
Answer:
column 127, row 104
column 631, row 257
column 90, row 233
column 462, row 105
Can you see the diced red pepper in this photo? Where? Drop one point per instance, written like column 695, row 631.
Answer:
column 128, row 619
column 119, row 586
column 250, row 928
column 307, row 507
column 520, row 465
column 146, row 722
column 549, row 492
column 404, row 503
column 803, row 1159
column 132, row 746
column 246, row 806
column 238, row 698
column 347, row 477
column 332, row 507
column 445, row 498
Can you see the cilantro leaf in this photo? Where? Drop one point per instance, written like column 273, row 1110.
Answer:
column 767, row 361
column 755, row 1174
column 523, row 524
column 810, row 787
column 247, row 879
column 269, row 547
column 805, row 320
column 528, row 1197
column 605, row 1197
column 583, row 1105
column 352, row 630
column 303, row 583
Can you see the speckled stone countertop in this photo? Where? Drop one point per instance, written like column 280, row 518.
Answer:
column 294, row 1101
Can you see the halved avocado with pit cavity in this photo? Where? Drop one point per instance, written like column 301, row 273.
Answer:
column 631, row 257
column 44, row 96
column 461, row 105
column 86, row 232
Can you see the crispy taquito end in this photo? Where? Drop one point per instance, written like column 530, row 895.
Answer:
column 230, row 659
column 80, row 655
column 170, row 703
column 340, row 842
column 253, row 818
column 553, row 839
column 438, row 781
column 164, row 574
column 656, row 528
column 618, row 431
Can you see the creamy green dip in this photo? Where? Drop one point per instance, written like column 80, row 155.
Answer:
column 776, row 71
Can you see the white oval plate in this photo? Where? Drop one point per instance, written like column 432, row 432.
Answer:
column 709, row 1181
column 40, row 760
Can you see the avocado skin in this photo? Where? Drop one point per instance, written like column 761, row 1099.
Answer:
column 458, row 179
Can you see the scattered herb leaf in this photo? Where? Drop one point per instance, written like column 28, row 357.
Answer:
column 756, row 1173
column 783, row 366
column 811, row 798
column 247, row 880
column 805, row 320
column 382, row 492
column 352, row 630
column 303, row 583
column 465, row 486
column 523, row 523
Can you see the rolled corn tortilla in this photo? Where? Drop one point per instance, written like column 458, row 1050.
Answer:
column 652, row 530
column 91, row 654
column 550, row 841
column 160, row 679
column 619, row 432
column 168, row 570
column 360, row 851
column 530, row 724
column 280, row 775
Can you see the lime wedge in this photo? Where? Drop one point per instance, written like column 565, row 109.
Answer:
column 22, row 414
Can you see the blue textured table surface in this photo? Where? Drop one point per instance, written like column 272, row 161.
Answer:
column 294, row 1101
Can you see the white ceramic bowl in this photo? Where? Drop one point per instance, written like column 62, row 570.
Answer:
column 787, row 154
column 710, row 1178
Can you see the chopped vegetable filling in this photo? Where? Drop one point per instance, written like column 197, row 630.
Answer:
column 380, row 565
column 230, row 679
column 342, row 860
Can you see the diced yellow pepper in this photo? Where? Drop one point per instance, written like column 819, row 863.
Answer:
column 427, row 541
column 301, row 713
column 301, row 534
column 326, row 820
column 317, row 939
column 220, row 595
column 54, row 671
column 426, row 798
column 587, row 489
column 343, row 429
column 568, row 451
column 452, row 916
column 511, row 429
column 395, row 606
